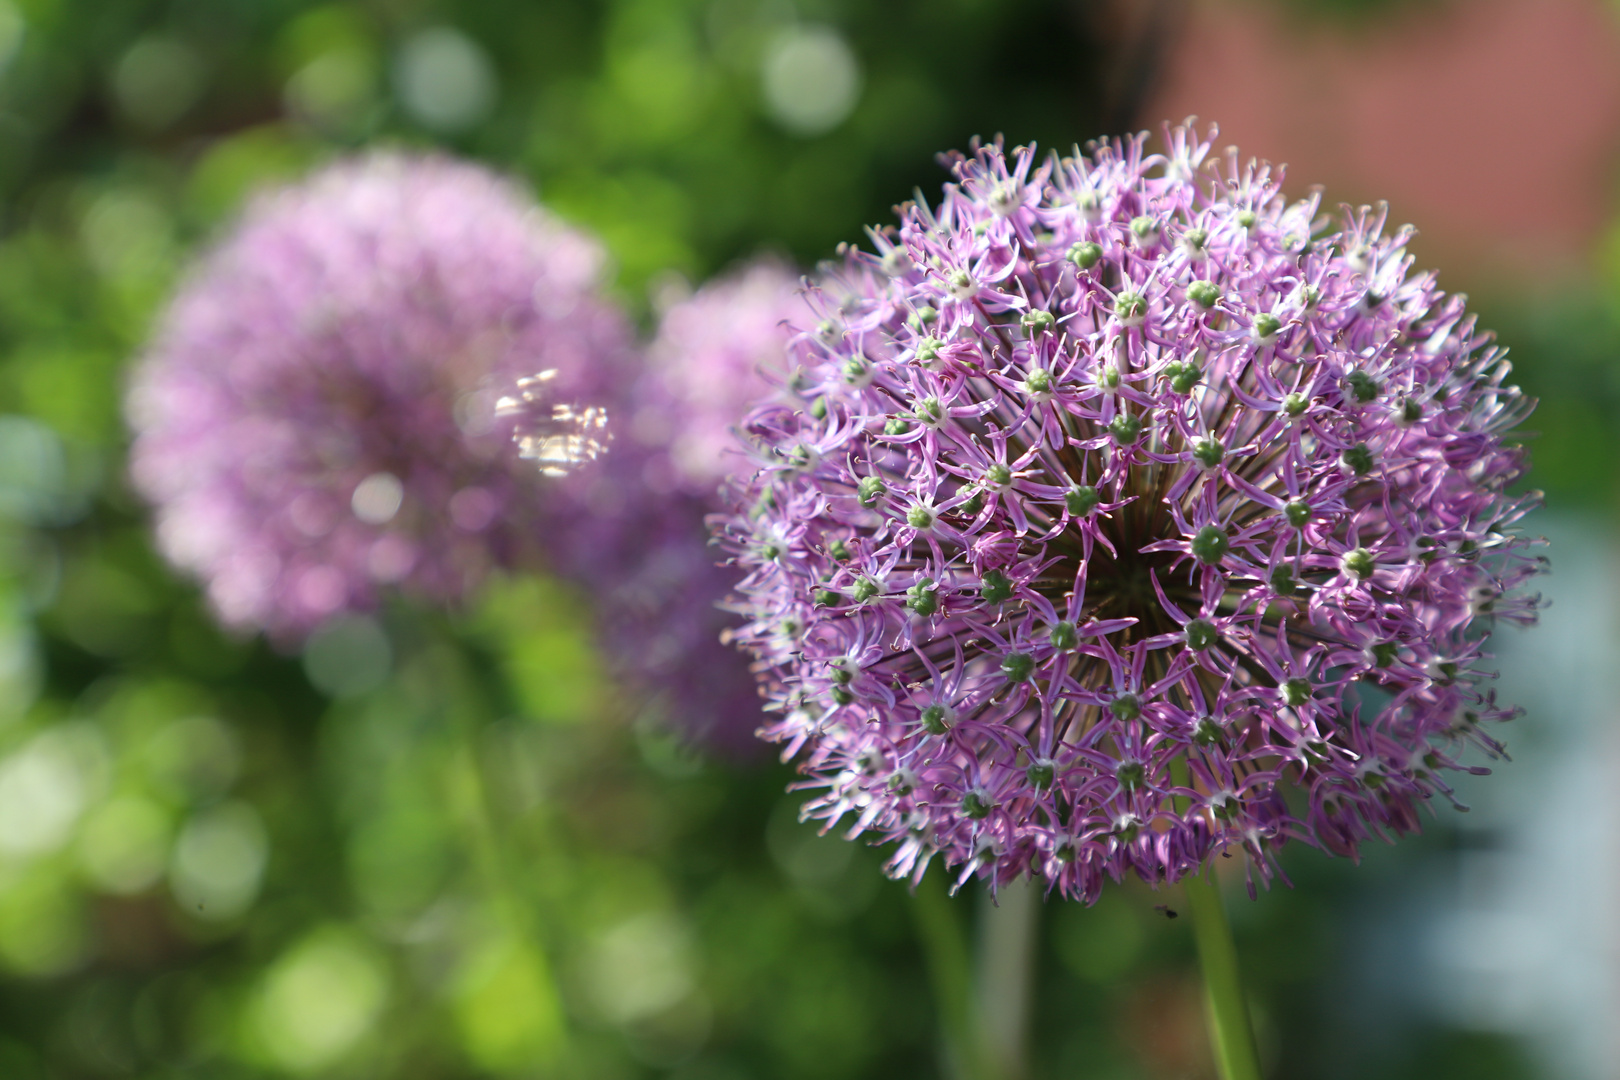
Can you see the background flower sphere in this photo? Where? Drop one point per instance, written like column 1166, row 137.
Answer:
column 317, row 416
column 1128, row 513
column 639, row 544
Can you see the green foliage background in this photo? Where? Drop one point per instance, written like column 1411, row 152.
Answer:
column 450, row 849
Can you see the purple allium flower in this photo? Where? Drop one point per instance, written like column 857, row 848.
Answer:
column 644, row 552
column 710, row 362
column 1131, row 514
column 316, row 418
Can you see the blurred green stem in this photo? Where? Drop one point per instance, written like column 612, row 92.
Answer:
column 489, row 843
column 1007, row 931
column 939, row 929
column 1231, row 1032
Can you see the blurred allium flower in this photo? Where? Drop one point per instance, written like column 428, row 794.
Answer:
column 647, row 559
column 317, row 417
column 1122, row 497
column 711, row 360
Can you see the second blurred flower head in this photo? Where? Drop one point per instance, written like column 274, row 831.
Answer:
column 317, row 417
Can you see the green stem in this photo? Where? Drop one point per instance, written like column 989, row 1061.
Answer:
column 1008, row 927
column 1231, row 1032
column 939, row 929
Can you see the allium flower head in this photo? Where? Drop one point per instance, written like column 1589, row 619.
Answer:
column 647, row 561
column 1132, row 514
column 709, row 363
column 317, row 416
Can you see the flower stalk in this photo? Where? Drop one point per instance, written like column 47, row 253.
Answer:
column 1231, row 1033
column 1009, row 925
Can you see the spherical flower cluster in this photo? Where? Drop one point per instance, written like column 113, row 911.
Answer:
column 1128, row 514
column 316, row 418
column 709, row 363
column 640, row 545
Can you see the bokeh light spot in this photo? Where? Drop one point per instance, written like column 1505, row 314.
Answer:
column 812, row 80
column 348, row 656
column 444, row 79
column 157, row 80
column 319, row 1001
column 218, row 862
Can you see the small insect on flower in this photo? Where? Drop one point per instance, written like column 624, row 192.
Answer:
column 316, row 419
column 1187, row 492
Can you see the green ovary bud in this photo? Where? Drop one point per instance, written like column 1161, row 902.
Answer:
column 1208, row 451
column 1359, row 564
column 839, row 550
column 973, row 504
column 1201, row 634
column 1409, row 413
column 923, row 598
column 975, row 806
column 1358, row 459
column 1266, row 326
column 1206, row 732
column 923, row 316
column 1282, row 582
column 1085, row 255
column 998, row 476
column 1183, row 376
column 1362, row 386
column 1131, row 307
column 997, row 587
column 1383, row 653
column 1037, row 321
column 1018, row 667
column 1210, row 545
column 868, row 490
column 928, row 350
column 920, row 517
column 1125, row 428
column 1246, row 218
column 1041, row 773
column 1131, row 775
column 1126, row 707
column 842, row 696
column 1295, row 404
column 1296, row 692
column 863, row 590
column 896, row 426
column 1064, row 636
column 936, row 719
column 857, row 372
column 1297, row 511
column 1146, row 230
column 1082, row 500
column 1038, row 381
column 1206, row 294
column 930, row 411
column 825, row 598
column 1195, row 238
